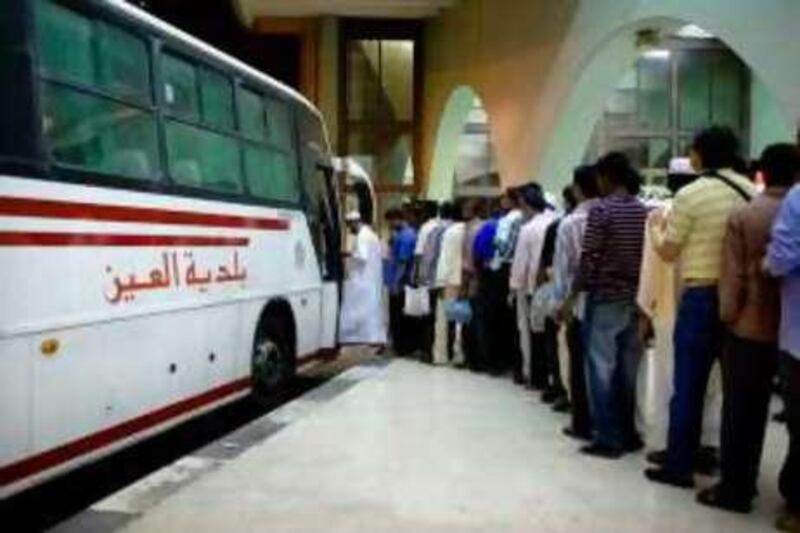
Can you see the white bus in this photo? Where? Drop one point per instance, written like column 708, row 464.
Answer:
column 169, row 232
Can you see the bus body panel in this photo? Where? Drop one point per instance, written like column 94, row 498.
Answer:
column 90, row 341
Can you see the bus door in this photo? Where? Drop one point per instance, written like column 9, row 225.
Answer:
column 322, row 210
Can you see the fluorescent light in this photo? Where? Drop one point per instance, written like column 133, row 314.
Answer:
column 693, row 31
column 657, row 53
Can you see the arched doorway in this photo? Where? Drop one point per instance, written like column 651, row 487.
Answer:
column 591, row 70
column 464, row 162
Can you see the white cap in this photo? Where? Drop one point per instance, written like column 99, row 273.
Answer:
column 681, row 165
column 353, row 216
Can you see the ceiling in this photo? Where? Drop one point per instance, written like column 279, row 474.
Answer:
column 408, row 9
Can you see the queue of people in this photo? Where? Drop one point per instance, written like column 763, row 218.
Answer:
column 708, row 279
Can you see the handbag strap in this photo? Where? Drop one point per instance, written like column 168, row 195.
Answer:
column 746, row 196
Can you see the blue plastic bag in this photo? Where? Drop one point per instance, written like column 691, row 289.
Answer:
column 458, row 311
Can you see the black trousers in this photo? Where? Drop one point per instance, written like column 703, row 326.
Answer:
column 789, row 481
column 427, row 327
column 748, row 369
column 498, row 323
column 403, row 340
column 538, row 360
column 581, row 418
column 553, row 367
column 469, row 339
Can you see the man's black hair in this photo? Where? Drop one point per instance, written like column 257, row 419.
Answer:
column 780, row 164
column 585, row 178
column 718, row 147
column 616, row 167
column 394, row 213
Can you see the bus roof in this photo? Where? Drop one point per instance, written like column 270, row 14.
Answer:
column 147, row 18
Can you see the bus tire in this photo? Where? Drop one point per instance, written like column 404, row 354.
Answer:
column 273, row 358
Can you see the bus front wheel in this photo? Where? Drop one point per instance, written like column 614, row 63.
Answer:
column 273, row 363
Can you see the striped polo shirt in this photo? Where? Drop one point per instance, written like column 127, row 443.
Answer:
column 612, row 248
column 698, row 220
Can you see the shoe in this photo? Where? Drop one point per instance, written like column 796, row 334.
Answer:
column 634, row 444
column 549, row 395
column 715, row 497
column 705, row 463
column 789, row 522
column 664, row 476
column 577, row 435
column 562, row 405
column 601, row 451
column 658, row 457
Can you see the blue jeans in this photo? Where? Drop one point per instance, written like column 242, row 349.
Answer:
column 698, row 338
column 612, row 362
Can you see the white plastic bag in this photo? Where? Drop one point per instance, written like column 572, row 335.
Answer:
column 417, row 302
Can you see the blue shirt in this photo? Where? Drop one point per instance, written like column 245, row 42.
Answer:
column 483, row 248
column 783, row 259
column 398, row 269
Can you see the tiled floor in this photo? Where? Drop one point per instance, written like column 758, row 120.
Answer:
column 413, row 448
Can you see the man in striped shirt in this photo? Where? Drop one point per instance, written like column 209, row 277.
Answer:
column 609, row 273
column 694, row 233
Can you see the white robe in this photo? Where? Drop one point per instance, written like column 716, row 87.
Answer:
column 361, row 319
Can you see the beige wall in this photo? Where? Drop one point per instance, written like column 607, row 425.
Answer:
column 544, row 68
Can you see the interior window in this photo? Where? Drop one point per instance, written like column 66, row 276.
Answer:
column 252, row 115
column 203, row 159
column 98, row 134
column 271, row 174
column 180, row 87
column 216, row 94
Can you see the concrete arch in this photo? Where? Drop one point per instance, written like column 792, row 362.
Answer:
column 588, row 70
column 445, row 151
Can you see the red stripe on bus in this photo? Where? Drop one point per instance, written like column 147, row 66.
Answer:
column 13, row 238
column 90, row 443
column 12, row 206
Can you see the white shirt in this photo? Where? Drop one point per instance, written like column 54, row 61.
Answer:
column 361, row 317
column 450, row 264
column 423, row 234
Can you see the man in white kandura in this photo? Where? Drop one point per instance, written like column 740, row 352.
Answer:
column 361, row 320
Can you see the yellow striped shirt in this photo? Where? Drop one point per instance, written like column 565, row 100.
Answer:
column 698, row 221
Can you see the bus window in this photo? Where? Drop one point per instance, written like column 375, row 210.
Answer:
column 203, row 159
column 271, row 174
column 95, row 95
column 279, row 123
column 216, row 100
column 180, row 88
column 74, row 48
column 98, row 134
column 252, row 115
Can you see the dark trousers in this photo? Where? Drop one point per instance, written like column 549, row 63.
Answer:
column 553, row 368
column 499, row 324
column 469, row 338
column 748, row 368
column 581, row 421
column 427, row 326
column 789, row 481
column 538, row 360
column 698, row 335
column 402, row 338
